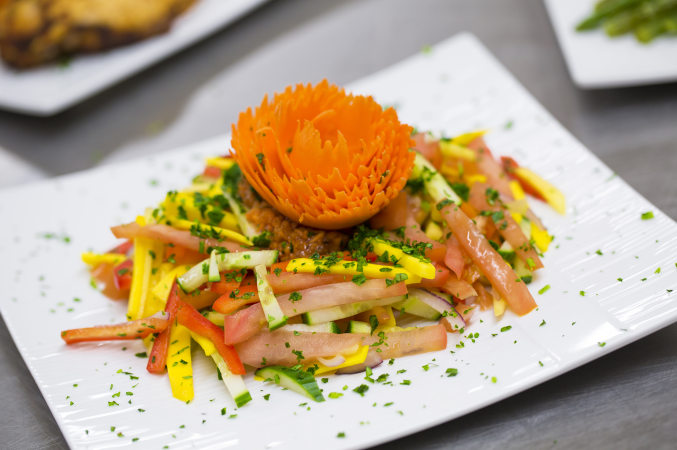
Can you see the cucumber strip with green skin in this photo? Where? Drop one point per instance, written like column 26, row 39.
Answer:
column 522, row 271
column 413, row 305
column 293, row 379
column 214, row 274
column 507, row 253
column 356, row 326
column 343, row 311
column 435, row 185
column 245, row 227
column 327, row 327
column 215, row 317
column 271, row 308
column 196, row 277
column 234, row 383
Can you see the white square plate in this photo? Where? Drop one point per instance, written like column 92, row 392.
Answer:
column 48, row 90
column 46, row 288
column 598, row 61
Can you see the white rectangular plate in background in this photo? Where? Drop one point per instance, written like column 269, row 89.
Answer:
column 598, row 61
column 585, row 314
column 47, row 90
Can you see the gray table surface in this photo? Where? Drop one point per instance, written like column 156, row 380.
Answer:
column 627, row 399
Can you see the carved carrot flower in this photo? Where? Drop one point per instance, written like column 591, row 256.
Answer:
column 321, row 157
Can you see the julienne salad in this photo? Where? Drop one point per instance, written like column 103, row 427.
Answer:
column 331, row 238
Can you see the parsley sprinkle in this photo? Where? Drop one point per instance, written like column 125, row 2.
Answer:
column 335, row 395
column 294, row 297
column 361, row 389
column 451, row 372
column 359, row 279
column 341, row 435
column 544, row 289
column 406, row 382
column 506, row 328
column 647, row 215
column 601, row 344
column 542, row 323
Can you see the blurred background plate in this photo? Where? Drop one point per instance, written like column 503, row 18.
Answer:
column 48, row 90
column 597, row 61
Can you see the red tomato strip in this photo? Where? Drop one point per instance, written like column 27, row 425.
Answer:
column 157, row 360
column 276, row 347
column 122, row 275
column 500, row 274
column 506, row 226
column 246, row 323
column 137, row 329
column 287, row 282
column 190, row 318
column 453, row 258
column 229, row 282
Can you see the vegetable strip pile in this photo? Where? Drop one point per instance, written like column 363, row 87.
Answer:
column 458, row 238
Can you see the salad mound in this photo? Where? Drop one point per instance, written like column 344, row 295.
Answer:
column 322, row 157
column 333, row 238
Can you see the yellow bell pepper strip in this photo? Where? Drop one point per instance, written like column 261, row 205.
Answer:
column 535, row 185
column 433, row 231
column 516, row 189
column 541, row 238
column 223, row 163
column 417, row 266
column 145, row 252
column 499, row 306
column 179, row 363
column 164, row 286
column 550, row 193
column 211, row 231
column 466, row 138
column 179, row 205
column 451, row 149
column 207, row 346
column 352, row 359
column 342, row 267
column 94, row 259
column 473, row 178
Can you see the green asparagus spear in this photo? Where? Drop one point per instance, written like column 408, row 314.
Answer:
column 626, row 21
column 603, row 10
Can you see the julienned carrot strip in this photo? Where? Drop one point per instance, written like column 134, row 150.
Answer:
column 137, row 329
column 190, row 318
column 157, row 360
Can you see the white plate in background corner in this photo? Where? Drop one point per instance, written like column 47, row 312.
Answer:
column 430, row 92
column 47, row 90
column 596, row 61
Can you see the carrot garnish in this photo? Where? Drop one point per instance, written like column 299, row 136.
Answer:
column 321, row 157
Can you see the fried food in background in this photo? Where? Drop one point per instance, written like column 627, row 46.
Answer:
column 33, row 32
